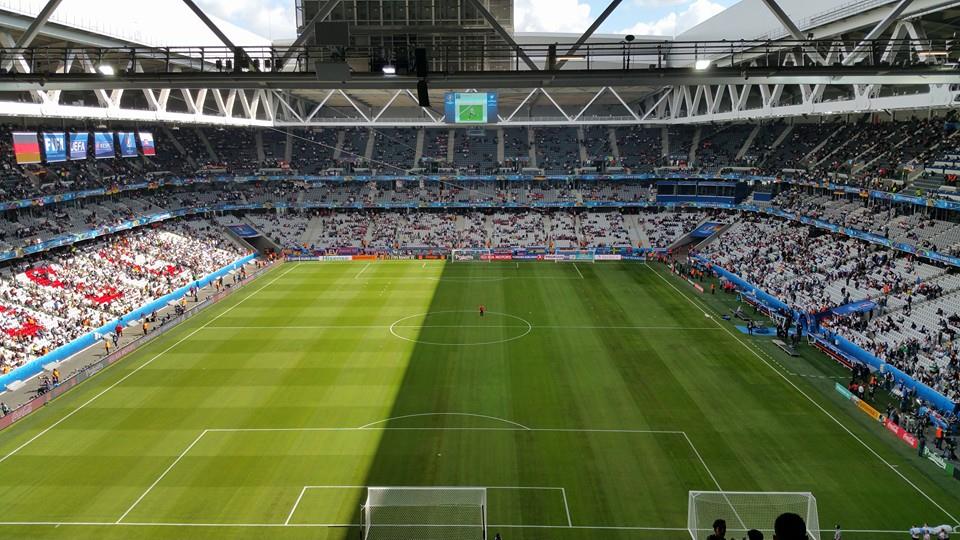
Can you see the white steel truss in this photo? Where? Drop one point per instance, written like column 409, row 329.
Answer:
column 749, row 101
column 754, row 98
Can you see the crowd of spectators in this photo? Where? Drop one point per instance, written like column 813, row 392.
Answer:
column 48, row 301
column 860, row 152
column 664, row 228
column 915, row 318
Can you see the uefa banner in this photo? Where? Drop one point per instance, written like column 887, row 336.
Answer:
column 78, row 145
column 128, row 143
column 55, row 147
column 103, row 145
column 146, row 144
column 26, row 148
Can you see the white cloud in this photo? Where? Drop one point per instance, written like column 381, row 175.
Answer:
column 270, row 18
column 658, row 3
column 551, row 16
column 675, row 22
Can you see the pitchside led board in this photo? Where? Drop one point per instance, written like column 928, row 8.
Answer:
column 103, row 145
column 55, row 147
column 146, row 143
column 78, row 145
column 128, row 143
column 470, row 107
column 26, row 148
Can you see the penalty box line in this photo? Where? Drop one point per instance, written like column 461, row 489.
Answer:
column 563, row 493
column 375, row 427
column 898, row 532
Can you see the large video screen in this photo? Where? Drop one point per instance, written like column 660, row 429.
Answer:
column 470, row 107
column 55, row 147
column 26, row 147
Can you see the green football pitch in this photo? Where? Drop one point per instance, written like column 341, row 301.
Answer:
column 589, row 400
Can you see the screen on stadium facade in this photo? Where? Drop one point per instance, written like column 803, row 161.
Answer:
column 128, row 143
column 78, row 145
column 146, row 144
column 470, row 107
column 26, row 147
column 103, row 145
column 55, row 147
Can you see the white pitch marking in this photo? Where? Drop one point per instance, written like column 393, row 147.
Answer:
column 355, row 525
column 145, row 364
column 815, row 404
column 295, row 505
column 362, row 270
column 164, row 473
column 385, row 326
column 577, row 268
column 517, row 424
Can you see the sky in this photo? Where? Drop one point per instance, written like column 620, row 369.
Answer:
column 276, row 18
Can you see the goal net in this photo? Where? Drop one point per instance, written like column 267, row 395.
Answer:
column 425, row 513
column 575, row 255
column 743, row 511
column 469, row 255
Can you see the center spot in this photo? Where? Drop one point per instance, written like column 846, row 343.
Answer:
column 460, row 328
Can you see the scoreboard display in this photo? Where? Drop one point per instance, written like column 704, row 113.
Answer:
column 470, row 107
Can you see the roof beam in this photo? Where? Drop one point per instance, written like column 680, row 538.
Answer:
column 880, row 28
column 31, row 32
column 504, row 34
column 308, row 29
column 792, row 28
column 482, row 80
column 593, row 28
column 237, row 51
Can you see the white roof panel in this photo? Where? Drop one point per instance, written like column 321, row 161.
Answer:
column 750, row 19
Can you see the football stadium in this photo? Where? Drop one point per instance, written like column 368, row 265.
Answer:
column 480, row 269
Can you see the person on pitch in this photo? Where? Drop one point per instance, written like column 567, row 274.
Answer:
column 483, row 309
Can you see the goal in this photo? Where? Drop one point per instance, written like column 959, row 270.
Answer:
column 575, row 255
column 748, row 510
column 468, row 255
column 425, row 513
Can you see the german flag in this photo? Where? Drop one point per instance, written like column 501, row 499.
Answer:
column 26, row 147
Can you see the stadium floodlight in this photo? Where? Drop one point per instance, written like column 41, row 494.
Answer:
column 106, row 69
column 743, row 510
column 412, row 513
column 701, row 65
column 389, row 69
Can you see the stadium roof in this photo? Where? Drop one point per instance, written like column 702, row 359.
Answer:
column 608, row 81
column 165, row 23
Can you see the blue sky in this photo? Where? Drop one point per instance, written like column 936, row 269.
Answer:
column 275, row 18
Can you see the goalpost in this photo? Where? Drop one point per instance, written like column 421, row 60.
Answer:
column 471, row 255
column 425, row 513
column 575, row 255
column 748, row 510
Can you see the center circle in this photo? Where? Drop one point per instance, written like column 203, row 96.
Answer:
column 460, row 328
